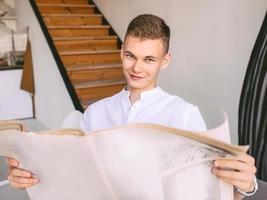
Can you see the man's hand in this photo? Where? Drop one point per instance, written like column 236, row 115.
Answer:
column 239, row 172
column 19, row 178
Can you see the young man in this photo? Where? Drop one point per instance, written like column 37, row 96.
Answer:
column 143, row 54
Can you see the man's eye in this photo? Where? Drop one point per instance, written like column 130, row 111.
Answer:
column 149, row 60
column 130, row 56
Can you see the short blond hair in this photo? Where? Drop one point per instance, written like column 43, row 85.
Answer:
column 149, row 26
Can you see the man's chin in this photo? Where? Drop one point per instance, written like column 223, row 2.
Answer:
column 134, row 86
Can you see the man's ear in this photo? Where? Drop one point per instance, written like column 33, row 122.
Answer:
column 122, row 46
column 166, row 61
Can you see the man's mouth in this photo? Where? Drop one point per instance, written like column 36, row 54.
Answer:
column 135, row 77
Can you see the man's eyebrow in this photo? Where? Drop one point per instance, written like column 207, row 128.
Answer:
column 125, row 51
column 146, row 57
column 128, row 52
column 151, row 57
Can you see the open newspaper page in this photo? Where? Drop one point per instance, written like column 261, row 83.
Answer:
column 65, row 165
column 181, row 160
column 139, row 161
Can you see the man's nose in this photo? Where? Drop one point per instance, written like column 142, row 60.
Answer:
column 137, row 66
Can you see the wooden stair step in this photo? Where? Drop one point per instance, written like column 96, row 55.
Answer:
column 65, row 8
column 90, row 57
column 77, row 26
column 85, row 38
column 81, row 67
column 94, row 84
column 81, row 72
column 95, row 75
column 62, row 1
column 96, row 90
column 96, row 94
column 86, row 44
column 68, row 31
column 65, row 5
column 89, row 74
column 69, row 20
column 86, row 103
column 67, row 53
column 71, row 15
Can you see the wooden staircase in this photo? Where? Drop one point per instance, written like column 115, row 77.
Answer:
column 89, row 53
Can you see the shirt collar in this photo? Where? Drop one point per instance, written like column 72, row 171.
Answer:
column 126, row 93
column 149, row 93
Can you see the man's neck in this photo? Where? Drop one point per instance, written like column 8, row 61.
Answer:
column 135, row 95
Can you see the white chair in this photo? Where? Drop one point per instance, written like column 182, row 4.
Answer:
column 72, row 120
column 3, row 183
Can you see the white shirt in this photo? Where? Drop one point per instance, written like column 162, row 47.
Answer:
column 154, row 106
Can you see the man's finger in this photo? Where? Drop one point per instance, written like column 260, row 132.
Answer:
column 21, row 185
column 12, row 162
column 246, row 159
column 20, row 173
column 243, row 186
column 21, row 180
column 233, row 175
column 235, row 165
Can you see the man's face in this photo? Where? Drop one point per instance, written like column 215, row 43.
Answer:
column 142, row 61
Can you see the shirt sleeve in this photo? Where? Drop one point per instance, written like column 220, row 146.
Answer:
column 86, row 120
column 194, row 120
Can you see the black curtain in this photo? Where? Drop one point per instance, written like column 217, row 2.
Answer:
column 252, row 116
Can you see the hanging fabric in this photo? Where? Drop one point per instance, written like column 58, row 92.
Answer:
column 252, row 116
column 27, row 80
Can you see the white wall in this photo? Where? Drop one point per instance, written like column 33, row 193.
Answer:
column 14, row 102
column 52, row 100
column 10, row 2
column 211, row 42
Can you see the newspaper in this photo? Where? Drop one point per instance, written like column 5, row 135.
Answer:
column 135, row 162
